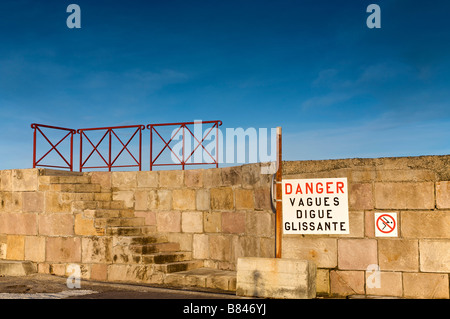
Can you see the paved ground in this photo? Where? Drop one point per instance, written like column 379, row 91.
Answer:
column 40, row 286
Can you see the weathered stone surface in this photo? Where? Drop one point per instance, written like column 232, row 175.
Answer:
column 222, row 198
column 99, row 272
column 193, row 178
column 126, row 196
column 203, row 200
column 356, row 254
column 147, row 179
column 56, row 224
column 96, row 249
column 172, row 179
column 233, row 222
column 24, row 180
column 276, row 278
column 322, row 251
column 192, row 222
column 345, row 283
column 168, row 221
column 406, row 195
column 390, row 284
column 35, row 248
column 160, row 199
column 443, row 194
column 244, row 199
column 360, row 196
column 200, row 247
column 33, row 202
column 434, row 256
column 262, row 198
column 212, row 222
column 15, row 247
column 425, row 224
column 101, row 178
column 260, row 223
column 398, row 255
column 231, row 176
column 149, row 217
column 123, row 180
column 219, row 247
column 425, row 285
column 63, row 249
column 183, row 199
column 18, row 224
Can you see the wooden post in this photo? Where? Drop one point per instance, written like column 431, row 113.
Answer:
column 279, row 190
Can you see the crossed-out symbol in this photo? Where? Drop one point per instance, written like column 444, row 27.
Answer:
column 386, row 223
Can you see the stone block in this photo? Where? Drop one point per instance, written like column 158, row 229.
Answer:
column 11, row 202
column 192, row 222
column 126, row 196
column 33, row 202
column 260, row 223
column 99, row 272
column 168, row 222
column 233, row 222
column 200, row 246
column 193, row 178
column 147, row 179
column 427, row 224
column 356, row 254
column 56, row 224
column 15, row 247
column 96, row 249
column 86, row 227
column 171, row 179
column 149, row 217
column 434, row 256
column 405, row 195
column 345, row 283
column 425, row 286
column 398, row 254
column 35, row 248
column 360, row 196
column 141, row 200
column 5, row 180
column 183, row 199
column 203, row 200
column 18, row 224
column 244, row 199
column 63, row 249
column 276, row 278
column 123, row 180
column 231, row 176
column 322, row 251
column 387, row 284
column 262, row 198
column 212, row 222
column 222, row 198
column 220, row 247
column 251, row 174
column 323, row 281
column 24, row 180
column 101, row 178
column 212, row 177
column 160, row 199
column 244, row 246
column 54, row 204
column 443, row 194
column 403, row 175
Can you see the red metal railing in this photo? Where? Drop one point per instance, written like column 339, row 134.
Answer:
column 69, row 161
column 184, row 160
column 111, row 132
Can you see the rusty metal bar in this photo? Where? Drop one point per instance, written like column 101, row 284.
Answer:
column 279, row 192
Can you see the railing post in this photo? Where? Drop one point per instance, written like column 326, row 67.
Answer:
column 110, row 146
column 34, row 147
column 279, row 192
column 151, row 147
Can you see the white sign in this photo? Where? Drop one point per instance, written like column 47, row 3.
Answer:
column 386, row 225
column 315, row 206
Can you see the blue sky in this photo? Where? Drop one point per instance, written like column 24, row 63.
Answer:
column 337, row 88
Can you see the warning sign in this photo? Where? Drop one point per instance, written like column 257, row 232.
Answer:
column 315, row 206
column 386, row 225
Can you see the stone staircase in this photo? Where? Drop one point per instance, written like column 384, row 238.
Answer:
column 133, row 241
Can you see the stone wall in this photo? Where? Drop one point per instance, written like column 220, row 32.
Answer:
column 214, row 216
column 416, row 264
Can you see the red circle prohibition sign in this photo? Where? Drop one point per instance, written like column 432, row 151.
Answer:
column 386, row 222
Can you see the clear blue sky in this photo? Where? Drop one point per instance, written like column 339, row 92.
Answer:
column 337, row 88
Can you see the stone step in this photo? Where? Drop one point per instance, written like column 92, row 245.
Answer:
column 17, row 268
column 57, row 172
column 129, row 231
column 122, row 221
column 139, row 240
column 224, row 280
column 166, row 257
column 109, row 213
column 97, row 204
column 147, row 249
column 65, row 179
column 76, row 188
column 178, row 266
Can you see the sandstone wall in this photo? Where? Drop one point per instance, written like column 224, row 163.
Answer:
column 416, row 264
